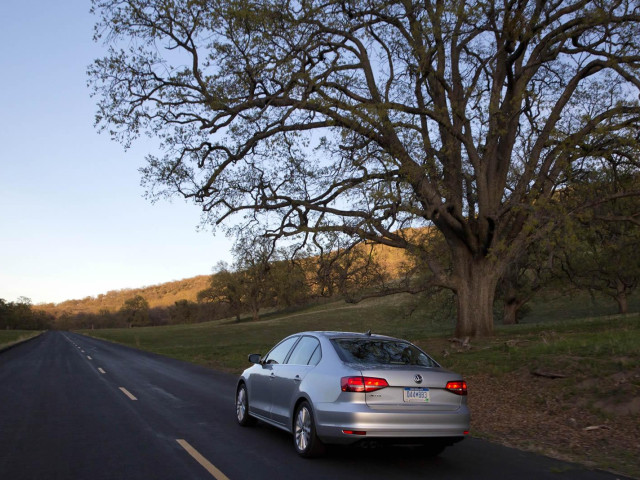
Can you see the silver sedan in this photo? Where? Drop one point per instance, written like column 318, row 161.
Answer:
column 343, row 388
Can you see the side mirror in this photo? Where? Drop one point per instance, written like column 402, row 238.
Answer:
column 255, row 358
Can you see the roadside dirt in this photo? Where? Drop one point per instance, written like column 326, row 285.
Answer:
column 561, row 418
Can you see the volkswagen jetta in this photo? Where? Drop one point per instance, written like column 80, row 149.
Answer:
column 343, row 388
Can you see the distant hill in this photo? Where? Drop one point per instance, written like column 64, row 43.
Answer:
column 161, row 295
column 166, row 294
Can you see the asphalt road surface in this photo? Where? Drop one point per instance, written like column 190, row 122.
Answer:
column 73, row 407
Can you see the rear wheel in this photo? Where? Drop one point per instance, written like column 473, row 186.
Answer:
column 305, row 440
column 242, row 407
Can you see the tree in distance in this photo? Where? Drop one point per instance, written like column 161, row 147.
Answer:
column 363, row 118
column 135, row 310
column 225, row 287
column 21, row 315
column 259, row 277
column 350, row 271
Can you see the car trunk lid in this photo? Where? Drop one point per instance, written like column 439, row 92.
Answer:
column 415, row 388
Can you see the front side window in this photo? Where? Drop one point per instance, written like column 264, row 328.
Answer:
column 381, row 352
column 278, row 354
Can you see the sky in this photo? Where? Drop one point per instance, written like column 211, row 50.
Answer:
column 73, row 218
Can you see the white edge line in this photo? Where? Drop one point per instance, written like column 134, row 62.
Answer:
column 208, row 466
column 128, row 393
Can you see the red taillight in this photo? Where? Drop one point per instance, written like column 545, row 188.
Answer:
column 352, row 384
column 373, row 384
column 458, row 387
column 362, row 384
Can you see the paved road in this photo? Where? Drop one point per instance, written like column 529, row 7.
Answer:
column 73, row 407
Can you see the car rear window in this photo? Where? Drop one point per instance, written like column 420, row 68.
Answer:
column 381, row 352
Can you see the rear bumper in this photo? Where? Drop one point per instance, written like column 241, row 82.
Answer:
column 332, row 419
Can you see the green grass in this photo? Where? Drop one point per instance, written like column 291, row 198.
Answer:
column 225, row 344
column 599, row 342
column 599, row 345
column 550, row 306
column 9, row 337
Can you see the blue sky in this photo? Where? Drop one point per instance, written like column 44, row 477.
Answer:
column 73, row 220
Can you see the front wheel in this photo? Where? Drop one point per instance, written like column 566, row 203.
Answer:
column 242, row 407
column 305, row 440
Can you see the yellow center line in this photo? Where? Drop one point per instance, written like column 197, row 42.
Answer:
column 128, row 393
column 208, row 466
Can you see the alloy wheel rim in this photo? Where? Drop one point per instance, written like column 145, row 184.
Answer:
column 241, row 404
column 303, row 429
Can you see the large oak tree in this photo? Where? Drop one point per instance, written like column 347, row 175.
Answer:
column 364, row 117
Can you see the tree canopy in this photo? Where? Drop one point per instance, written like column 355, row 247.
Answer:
column 135, row 310
column 21, row 315
column 365, row 117
column 599, row 248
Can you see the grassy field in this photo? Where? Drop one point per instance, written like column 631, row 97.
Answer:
column 564, row 386
column 9, row 337
column 224, row 344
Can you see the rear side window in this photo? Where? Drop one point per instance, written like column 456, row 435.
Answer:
column 307, row 352
column 381, row 352
column 280, row 351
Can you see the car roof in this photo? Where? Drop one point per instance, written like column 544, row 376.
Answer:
column 336, row 334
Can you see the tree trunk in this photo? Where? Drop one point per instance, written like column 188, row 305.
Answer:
column 512, row 306
column 623, row 303
column 621, row 296
column 510, row 314
column 475, row 292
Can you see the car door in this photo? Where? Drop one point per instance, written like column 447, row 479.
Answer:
column 288, row 376
column 261, row 383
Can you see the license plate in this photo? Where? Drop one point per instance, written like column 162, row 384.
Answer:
column 418, row 395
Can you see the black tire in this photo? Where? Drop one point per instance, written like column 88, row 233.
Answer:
column 305, row 439
column 242, row 407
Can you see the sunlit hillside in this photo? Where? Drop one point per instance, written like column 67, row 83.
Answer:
column 162, row 295
column 166, row 294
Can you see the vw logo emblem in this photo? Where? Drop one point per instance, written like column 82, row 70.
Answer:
column 418, row 378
